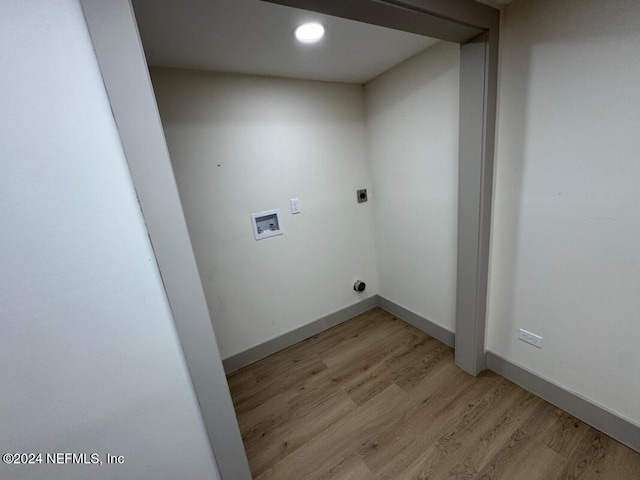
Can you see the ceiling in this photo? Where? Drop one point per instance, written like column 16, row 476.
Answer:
column 254, row 37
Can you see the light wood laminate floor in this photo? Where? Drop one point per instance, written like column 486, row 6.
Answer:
column 374, row 398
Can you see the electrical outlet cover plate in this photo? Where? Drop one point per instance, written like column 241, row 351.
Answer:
column 532, row 338
column 362, row 195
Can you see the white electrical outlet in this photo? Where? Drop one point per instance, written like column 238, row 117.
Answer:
column 532, row 338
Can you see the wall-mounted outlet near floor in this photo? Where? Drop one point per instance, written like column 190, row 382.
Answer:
column 532, row 338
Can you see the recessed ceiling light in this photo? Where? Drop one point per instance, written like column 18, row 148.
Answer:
column 309, row 32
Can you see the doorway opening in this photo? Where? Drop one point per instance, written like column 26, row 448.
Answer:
column 275, row 121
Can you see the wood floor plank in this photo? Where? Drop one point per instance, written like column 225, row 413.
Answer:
column 271, row 366
column 429, row 455
column 364, row 343
column 619, row 462
column 249, row 399
column 407, row 439
column 383, row 366
column 374, row 398
column 341, row 441
column 353, row 469
column 322, row 343
column 362, row 377
column 523, row 457
column 555, row 428
column 397, row 368
column 494, row 437
column 241, row 381
column 447, row 455
column 284, row 439
column 265, row 417
column 413, row 369
column 588, row 459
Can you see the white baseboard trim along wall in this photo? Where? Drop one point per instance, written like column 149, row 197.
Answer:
column 621, row 429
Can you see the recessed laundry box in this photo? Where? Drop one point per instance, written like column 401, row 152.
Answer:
column 266, row 224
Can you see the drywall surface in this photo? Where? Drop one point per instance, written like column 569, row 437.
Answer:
column 89, row 359
column 245, row 144
column 412, row 134
column 566, row 230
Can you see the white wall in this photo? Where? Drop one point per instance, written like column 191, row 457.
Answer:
column 243, row 144
column 89, row 358
column 566, row 226
column 412, row 135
